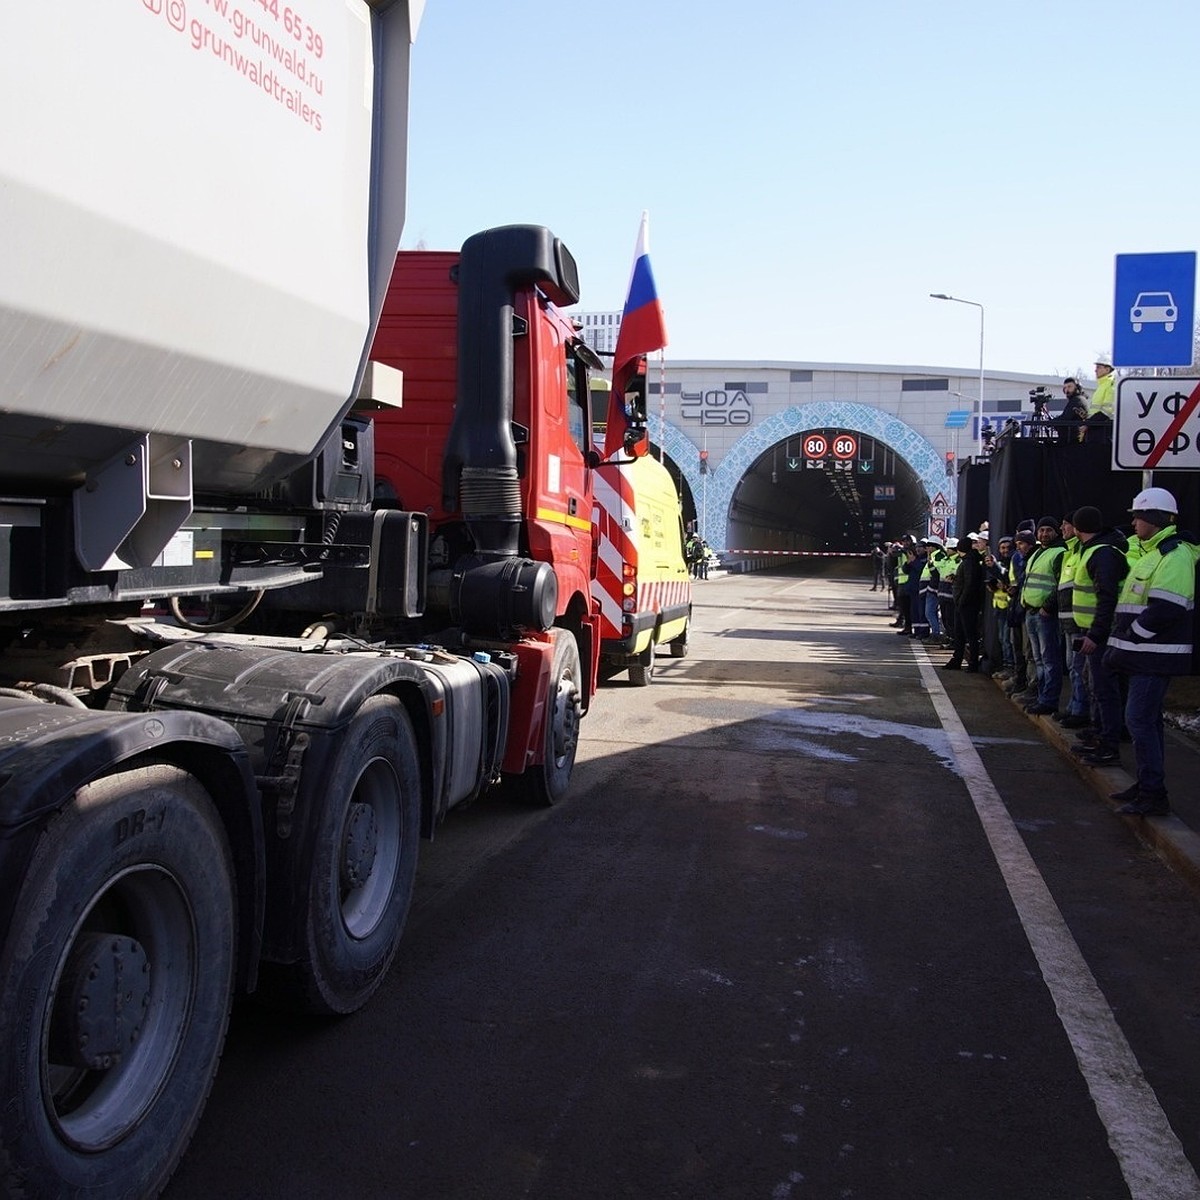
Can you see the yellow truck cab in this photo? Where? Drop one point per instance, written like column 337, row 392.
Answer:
column 641, row 580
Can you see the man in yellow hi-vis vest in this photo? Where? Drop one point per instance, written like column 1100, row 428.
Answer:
column 1103, row 402
column 1151, row 639
column 1039, row 599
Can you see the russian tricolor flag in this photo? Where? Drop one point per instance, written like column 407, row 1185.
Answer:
column 642, row 331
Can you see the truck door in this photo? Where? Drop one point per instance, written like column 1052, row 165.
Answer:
column 552, row 407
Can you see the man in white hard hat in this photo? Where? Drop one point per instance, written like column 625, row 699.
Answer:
column 1152, row 639
column 930, row 578
column 1103, row 401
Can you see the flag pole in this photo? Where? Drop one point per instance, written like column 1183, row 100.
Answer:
column 662, row 406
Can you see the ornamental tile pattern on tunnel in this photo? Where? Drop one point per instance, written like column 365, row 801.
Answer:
column 714, row 492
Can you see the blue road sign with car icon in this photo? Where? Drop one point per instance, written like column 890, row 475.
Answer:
column 1154, row 310
column 1151, row 307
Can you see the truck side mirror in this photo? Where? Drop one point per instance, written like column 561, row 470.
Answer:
column 635, row 441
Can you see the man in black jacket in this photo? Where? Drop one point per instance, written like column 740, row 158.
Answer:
column 1101, row 567
column 968, row 603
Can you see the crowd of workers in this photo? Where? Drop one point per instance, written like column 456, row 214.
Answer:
column 1083, row 612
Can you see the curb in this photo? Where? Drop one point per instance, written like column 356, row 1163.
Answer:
column 1174, row 842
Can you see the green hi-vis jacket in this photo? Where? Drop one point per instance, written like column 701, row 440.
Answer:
column 1152, row 634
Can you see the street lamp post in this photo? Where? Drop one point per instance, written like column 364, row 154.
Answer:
column 974, row 304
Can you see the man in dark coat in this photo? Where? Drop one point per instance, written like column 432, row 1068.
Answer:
column 968, row 603
column 1101, row 569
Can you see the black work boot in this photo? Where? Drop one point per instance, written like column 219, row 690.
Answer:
column 1145, row 805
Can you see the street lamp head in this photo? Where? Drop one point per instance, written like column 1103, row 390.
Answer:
column 939, row 296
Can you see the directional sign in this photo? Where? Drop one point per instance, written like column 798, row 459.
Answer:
column 866, row 466
column 1153, row 310
column 1157, row 426
column 793, row 464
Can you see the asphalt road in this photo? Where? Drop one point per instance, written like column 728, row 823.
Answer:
column 818, row 920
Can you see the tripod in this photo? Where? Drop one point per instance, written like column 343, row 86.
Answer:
column 1039, row 424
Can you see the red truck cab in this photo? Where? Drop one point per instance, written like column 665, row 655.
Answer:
column 548, row 413
column 493, row 443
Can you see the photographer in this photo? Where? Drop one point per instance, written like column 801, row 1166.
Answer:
column 1074, row 412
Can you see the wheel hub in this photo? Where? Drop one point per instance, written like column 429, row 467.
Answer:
column 102, row 1001
column 360, row 846
column 567, row 715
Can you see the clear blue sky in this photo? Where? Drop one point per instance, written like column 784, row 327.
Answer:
column 814, row 171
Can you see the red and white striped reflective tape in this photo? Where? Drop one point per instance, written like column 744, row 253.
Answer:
column 614, row 500
column 806, row 553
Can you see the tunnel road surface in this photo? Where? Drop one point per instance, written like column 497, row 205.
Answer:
column 818, row 920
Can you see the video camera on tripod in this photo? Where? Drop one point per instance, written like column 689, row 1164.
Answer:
column 1039, row 423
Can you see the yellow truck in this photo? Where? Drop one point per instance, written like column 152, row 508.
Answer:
column 641, row 580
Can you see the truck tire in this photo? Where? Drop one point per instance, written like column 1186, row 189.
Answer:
column 363, row 866
column 547, row 782
column 115, row 985
column 679, row 646
column 641, row 672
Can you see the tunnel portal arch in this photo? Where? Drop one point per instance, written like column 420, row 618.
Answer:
column 715, row 491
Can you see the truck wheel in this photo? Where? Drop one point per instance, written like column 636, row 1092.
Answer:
column 364, row 863
column 679, row 646
column 642, row 671
column 115, row 984
column 547, row 782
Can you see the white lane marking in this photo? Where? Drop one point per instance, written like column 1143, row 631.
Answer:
column 1148, row 1152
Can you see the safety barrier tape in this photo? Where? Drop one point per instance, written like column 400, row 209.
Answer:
column 806, row 553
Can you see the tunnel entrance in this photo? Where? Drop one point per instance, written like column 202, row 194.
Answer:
column 826, row 490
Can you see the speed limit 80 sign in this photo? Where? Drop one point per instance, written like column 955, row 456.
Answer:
column 1157, row 424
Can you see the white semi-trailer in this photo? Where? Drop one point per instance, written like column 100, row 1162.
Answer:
column 200, row 204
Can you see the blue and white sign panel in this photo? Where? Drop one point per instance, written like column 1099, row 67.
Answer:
column 1154, row 310
column 1157, row 425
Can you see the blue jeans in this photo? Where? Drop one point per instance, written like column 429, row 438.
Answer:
column 1033, row 642
column 1005, row 633
column 1144, row 719
column 1078, row 704
column 932, row 615
column 920, row 626
column 1045, row 641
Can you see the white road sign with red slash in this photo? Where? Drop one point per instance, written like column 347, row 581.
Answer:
column 1157, row 424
